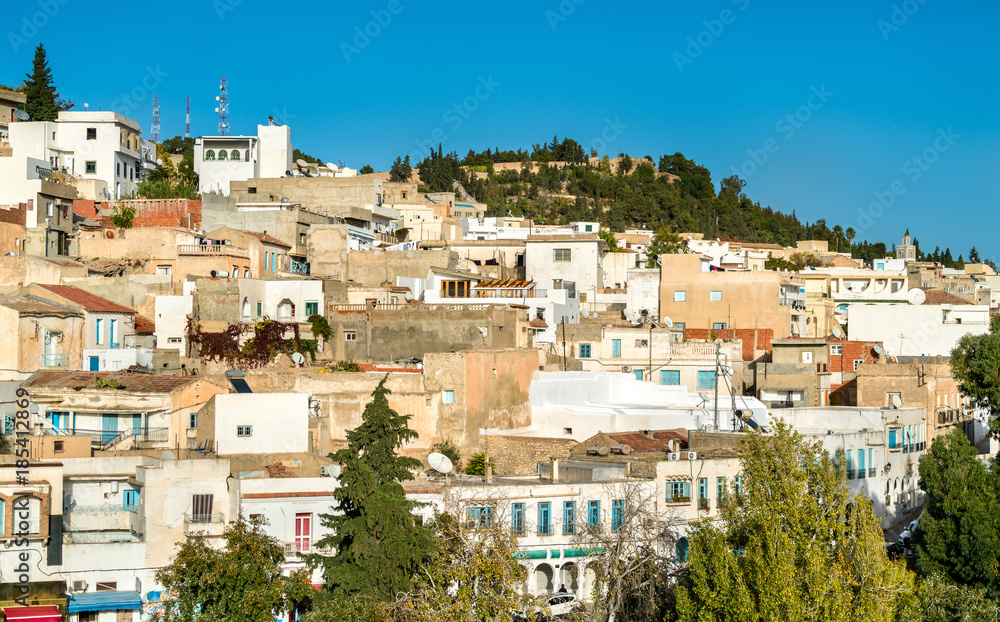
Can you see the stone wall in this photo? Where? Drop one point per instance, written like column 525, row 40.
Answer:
column 519, row 454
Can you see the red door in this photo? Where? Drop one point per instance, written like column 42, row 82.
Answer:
column 303, row 529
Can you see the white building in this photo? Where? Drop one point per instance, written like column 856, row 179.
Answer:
column 917, row 330
column 48, row 214
column 245, row 423
column 89, row 145
column 280, row 299
column 171, row 321
column 574, row 259
column 643, row 290
column 219, row 160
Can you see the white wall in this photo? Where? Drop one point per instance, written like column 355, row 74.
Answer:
column 584, row 267
column 271, row 293
column 171, row 321
column 643, row 291
column 916, row 330
column 215, row 175
column 286, row 433
column 275, row 150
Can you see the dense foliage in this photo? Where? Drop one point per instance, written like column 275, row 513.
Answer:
column 378, row 545
column 267, row 341
column 41, row 101
column 242, row 582
column 975, row 365
column 792, row 545
column 167, row 181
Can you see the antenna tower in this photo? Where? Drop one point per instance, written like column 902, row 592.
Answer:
column 223, row 108
column 154, row 130
column 187, row 119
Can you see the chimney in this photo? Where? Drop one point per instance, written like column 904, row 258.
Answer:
column 554, row 469
column 647, row 433
column 489, row 471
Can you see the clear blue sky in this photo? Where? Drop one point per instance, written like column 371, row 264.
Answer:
column 570, row 67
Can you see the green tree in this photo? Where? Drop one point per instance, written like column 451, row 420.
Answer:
column 401, row 170
column 838, row 234
column 476, row 465
column 609, row 238
column 378, row 545
column 959, row 531
column 41, row 98
column 122, row 216
column 242, row 582
column 975, row 364
column 850, row 234
column 792, row 545
column 973, row 255
column 366, row 170
column 939, row 600
column 665, row 242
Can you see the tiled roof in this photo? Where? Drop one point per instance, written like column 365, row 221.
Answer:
column 263, row 237
column 31, row 305
column 134, row 383
column 936, row 296
column 538, row 324
column 144, row 326
column 88, row 301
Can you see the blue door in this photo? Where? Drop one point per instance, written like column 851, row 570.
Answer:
column 131, row 500
column 616, row 348
column 137, row 425
column 95, row 363
column 638, row 374
column 109, row 428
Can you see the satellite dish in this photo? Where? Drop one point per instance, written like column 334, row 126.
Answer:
column 21, row 115
column 168, row 455
column 879, row 350
column 839, row 334
column 298, row 359
column 916, row 297
column 631, row 315
column 896, row 402
column 301, row 163
column 667, row 322
column 729, row 371
column 440, row 463
column 584, row 313
column 33, row 409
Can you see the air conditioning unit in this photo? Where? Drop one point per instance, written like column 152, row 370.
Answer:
column 626, row 369
column 673, row 456
column 79, row 586
column 692, row 455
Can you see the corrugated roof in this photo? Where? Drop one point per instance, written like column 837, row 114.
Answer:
column 508, row 283
column 88, row 301
column 103, row 601
column 135, row 383
column 32, row 305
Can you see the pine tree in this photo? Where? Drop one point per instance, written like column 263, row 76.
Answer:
column 973, row 255
column 379, row 547
column 39, row 92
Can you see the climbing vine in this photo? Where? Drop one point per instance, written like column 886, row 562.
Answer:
column 267, row 340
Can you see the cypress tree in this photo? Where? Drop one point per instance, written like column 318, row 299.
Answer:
column 378, row 545
column 39, row 92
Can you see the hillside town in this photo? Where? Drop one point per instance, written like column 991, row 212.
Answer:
column 173, row 366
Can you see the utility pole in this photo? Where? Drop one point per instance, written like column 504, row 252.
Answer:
column 718, row 351
column 564, row 342
column 650, row 344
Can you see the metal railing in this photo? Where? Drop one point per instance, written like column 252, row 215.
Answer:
column 295, row 549
column 55, row 360
column 205, row 518
column 212, row 249
column 298, row 267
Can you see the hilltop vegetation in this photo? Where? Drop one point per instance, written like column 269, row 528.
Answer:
column 557, row 183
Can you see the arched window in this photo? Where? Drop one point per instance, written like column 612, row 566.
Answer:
column 234, row 155
column 222, row 154
column 246, row 155
column 209, row 154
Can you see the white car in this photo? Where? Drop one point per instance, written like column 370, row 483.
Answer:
column 549, row 606
column 904, row 538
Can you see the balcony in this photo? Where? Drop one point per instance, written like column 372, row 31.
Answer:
column 205, row 524
column 861, row 473
column 212, row 250
column 294, row 550
column 55, row 360
column 205, row 518
column 298, row 267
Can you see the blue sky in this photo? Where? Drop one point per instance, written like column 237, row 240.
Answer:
column 363, row 82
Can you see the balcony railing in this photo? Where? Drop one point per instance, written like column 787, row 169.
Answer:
column 861, row 473
column 55, row 360
column 212, row 250
column 205, row 518
column 295, row 549
column 298, row 267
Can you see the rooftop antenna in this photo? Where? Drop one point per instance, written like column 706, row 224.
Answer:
column 187, row 119
column 223, row 108
column 154, row 130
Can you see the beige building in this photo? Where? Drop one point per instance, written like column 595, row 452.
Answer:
column 694, row 297
column 37, row 334
column 797, row 374
column 9, row 102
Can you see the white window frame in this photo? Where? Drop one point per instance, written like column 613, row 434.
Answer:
column 836, row 349
column 680, row 295
column 244, row 431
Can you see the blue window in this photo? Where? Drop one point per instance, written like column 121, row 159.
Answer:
column 617, row 514
column 702, row 491
column 871, row 462
column 670, row 376
column 112, row 334
column 637, row 373
column 569, row 517
column 861, row 463
column 131, row 500
column 718, row 326
column 449, row 397
column 678, row 492
column 706, row 379
column 847, row 464
column 545, row 518
column 479, row 517
column 192, row 420
column 680, row 325
column 136, row 425
column 680, row 295
column 616, row 348
column 8, row 428
column 517, row 519
column 892, row 438
column 906, row 439
column 99, row 329
column 585, row 350
column 738, row 485
column 720, row 490
column 594, row 513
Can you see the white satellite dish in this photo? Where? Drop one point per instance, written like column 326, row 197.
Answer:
column 298, row 359
column 301, row 163
column 333, row 167
column 33, row 409
column 916, row 297
column 440, row 463
column 632, row 315
column 729, row 371
column 584, row 313
column 839, row 334
column 879, row 350
column 896, row 402
column 667, row 322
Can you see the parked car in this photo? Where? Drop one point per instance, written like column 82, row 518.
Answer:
column 548, row 607
column 907, row 535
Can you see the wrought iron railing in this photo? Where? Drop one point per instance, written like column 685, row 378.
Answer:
column 55, row 360
column 205, row 518
column 298, row 267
